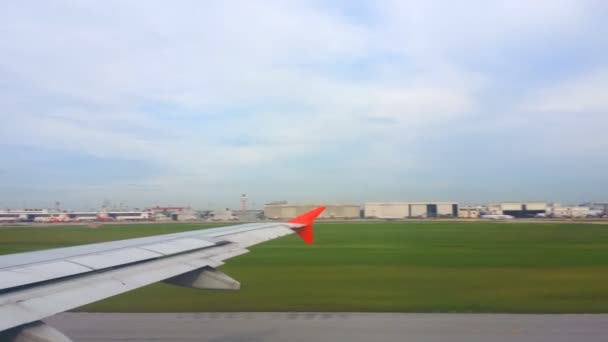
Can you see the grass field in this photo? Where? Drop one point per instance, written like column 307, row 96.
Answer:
column 377, row 266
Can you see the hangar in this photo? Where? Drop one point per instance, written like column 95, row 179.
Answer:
column 523, row 209
column 395, row 210
column 284, row 210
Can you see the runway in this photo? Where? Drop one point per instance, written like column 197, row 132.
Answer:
column 339, row 327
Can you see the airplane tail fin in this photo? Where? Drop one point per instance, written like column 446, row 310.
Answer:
column 307, row 219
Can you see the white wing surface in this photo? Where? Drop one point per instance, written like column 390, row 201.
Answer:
column 39, row 284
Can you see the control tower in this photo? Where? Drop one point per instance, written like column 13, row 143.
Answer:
column 243, row 202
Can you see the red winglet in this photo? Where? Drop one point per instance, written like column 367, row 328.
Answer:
column 306, row 232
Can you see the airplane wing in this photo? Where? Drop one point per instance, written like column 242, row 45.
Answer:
column 39, row 284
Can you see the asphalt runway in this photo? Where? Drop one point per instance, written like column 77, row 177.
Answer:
column 339, row 327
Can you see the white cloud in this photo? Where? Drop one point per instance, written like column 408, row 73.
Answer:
column 206, row 59
column 170, row 84
column 435, row 25
column 583, row 95
column 565, row 120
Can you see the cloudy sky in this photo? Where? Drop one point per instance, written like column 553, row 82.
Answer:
column 195, row 102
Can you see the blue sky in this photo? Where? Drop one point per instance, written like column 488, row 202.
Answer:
column 190, row 102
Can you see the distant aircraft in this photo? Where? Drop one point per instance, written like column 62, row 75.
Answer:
column 85, row 218
column 39, row 284
column 60, row 219
column 497, row 217
column 103, row 217
column 595, row 213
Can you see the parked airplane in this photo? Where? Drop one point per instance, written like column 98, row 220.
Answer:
column 595, row 213
column 9, row 218
column 103, row 217
column 60, row 218
column 39, row 284
column 497, row 217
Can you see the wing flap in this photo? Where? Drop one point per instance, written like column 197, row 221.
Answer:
column 177, row 246
column 115, row 258
column 39, row 272
column 250, row 238
column 72, row 266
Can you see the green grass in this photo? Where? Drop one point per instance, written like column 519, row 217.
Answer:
column 377, row 266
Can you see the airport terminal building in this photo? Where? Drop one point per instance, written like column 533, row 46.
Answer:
column 287, row 211
column 398, row 210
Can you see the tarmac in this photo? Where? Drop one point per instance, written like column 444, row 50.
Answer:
column 338, row 327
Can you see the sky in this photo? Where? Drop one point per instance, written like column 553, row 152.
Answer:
column 195, row 102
